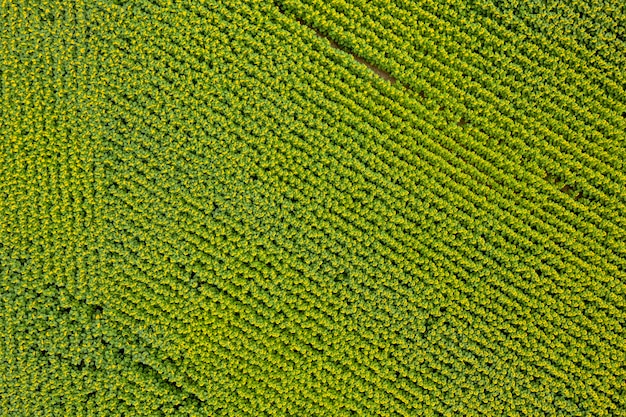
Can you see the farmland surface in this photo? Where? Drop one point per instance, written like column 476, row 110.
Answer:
column 312, row 208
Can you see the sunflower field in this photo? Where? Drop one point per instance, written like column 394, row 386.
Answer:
column 312, row 208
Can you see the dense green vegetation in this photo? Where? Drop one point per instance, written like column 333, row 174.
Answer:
column 307, row 207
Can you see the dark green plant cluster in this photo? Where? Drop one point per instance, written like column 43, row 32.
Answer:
column 312, row 208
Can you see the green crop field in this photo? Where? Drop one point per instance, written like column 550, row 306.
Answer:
column 312, row 208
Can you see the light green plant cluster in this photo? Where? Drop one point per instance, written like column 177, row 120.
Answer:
column 312, row 208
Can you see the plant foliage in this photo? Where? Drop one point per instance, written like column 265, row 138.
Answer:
column 307, row 207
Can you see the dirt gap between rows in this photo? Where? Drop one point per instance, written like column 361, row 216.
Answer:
column 376, row 70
